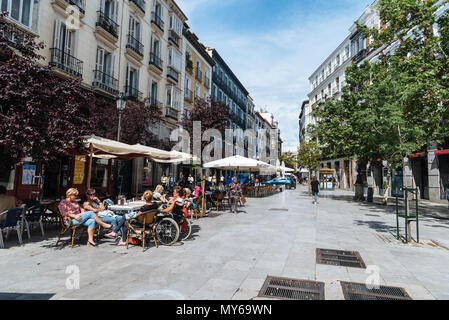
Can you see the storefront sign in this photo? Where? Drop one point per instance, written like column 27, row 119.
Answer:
column 78, row 175
column 28, row 174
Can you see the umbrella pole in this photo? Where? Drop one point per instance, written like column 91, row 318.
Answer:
column 137, row 177
column 89, row 173
column 203, row 195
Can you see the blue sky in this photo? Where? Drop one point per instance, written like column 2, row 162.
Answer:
column 273, row 46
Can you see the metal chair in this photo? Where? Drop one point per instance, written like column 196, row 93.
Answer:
column 13, row 221
column 65, row 228
column 34, row 215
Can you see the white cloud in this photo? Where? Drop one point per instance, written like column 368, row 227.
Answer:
column 275, row 66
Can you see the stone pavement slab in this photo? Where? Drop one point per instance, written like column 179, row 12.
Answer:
column 230, row 256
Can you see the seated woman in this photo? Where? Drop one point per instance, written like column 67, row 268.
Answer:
column 94, row 204
column 148, row 206
column 70, row 208
column 159, row 195
column 176, row 204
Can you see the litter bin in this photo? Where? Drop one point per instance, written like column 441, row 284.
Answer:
column 370, row 195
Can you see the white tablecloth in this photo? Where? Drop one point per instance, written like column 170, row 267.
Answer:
column 131, row 206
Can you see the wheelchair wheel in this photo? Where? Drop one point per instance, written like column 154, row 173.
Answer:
column 183, row 236
column 167, row 232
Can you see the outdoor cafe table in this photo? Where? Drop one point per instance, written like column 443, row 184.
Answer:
column 126, row 208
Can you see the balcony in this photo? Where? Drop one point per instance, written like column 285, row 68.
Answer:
column 198, row 75
column 156, row 61
column 63, row 4
column 133, row 94
column 66, row 63
column 206, row 81
column 360, row 55
column 139, row 4
column 105, row 82
column 173, row 74
column 173, row 37
column 157, row 20
column 134, row 47
column 107, row 27
column 189, row 66
column 171, row 113
column 188, row 95
column 154, row 102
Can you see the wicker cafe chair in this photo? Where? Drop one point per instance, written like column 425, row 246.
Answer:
column 146, row 220
column 197, row 207
column 65, row 228
column 218, row 200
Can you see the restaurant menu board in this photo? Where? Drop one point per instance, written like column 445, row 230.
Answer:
column 80, row 164
column 28, row 174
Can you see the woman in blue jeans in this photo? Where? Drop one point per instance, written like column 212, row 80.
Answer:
column 94, row 204
column 315, row 184
column 69, row 208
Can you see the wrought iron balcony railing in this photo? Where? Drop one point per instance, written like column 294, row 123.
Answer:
column 133, row 93
column 156, row 61
column 171, row 113
column 105, row 81
column 154, row 102
column 81, row 4
column 140, row 4
column 188, row 94
column 172, row 73
column 65, row 62
column 198, row 75
column 107, row 24
column 174, row 37
column 135, row 45
column 157, row 20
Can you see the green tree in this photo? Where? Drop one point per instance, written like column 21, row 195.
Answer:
column 309, row 154
column 398, row 103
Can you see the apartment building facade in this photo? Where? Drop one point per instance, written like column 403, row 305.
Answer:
column 198, row 70
column 130, row 47
column 227, row 88
column 327, row 82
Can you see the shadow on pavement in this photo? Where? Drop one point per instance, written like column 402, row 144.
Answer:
column 25, row 296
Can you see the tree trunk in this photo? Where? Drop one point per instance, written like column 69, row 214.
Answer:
column 308, row 182
column 359, row 183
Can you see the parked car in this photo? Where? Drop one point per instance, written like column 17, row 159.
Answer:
column 280, row 181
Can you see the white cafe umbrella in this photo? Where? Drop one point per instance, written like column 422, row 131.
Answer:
column 237, row 163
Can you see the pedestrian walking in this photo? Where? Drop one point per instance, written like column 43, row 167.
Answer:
column 164, row 181
column 315, row 184
column 234, row 194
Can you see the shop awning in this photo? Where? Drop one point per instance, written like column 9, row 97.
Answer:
column 237, row 163
column 441, row 152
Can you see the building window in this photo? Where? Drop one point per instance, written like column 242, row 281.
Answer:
column 175, row 24
column 23, row 11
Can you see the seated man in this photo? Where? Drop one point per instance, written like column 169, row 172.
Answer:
column 69, row 208
column 107, row 216
column 6, row 202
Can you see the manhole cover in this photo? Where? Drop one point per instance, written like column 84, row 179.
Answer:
column 359, row 291
column 277, row 209
column 340, row 258
column 292, row 289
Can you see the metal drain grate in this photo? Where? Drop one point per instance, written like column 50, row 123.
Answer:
column 359, row 291
column 277, row 209
column 340, row 258
column 292, row 289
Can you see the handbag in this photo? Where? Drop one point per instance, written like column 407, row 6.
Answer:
column 243, row 200
column 134, row 241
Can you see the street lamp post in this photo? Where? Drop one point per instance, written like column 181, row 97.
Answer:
column 121, row 105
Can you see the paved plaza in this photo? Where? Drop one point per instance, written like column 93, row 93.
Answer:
column 230, row 256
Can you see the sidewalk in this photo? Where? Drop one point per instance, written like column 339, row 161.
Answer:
column 426, row 207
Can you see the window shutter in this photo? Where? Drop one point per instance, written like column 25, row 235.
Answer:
column 57, row 33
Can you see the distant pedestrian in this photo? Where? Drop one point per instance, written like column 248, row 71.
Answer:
column 315, row 184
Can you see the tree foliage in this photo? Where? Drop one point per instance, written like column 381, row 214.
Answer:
column 397, row 103
column 309, row 154
column 211, row 113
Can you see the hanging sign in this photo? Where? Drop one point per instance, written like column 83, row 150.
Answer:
column 78, row 175
column 28, row 174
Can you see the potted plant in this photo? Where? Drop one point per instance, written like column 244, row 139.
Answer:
column 384, row 188
column 365, row 187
